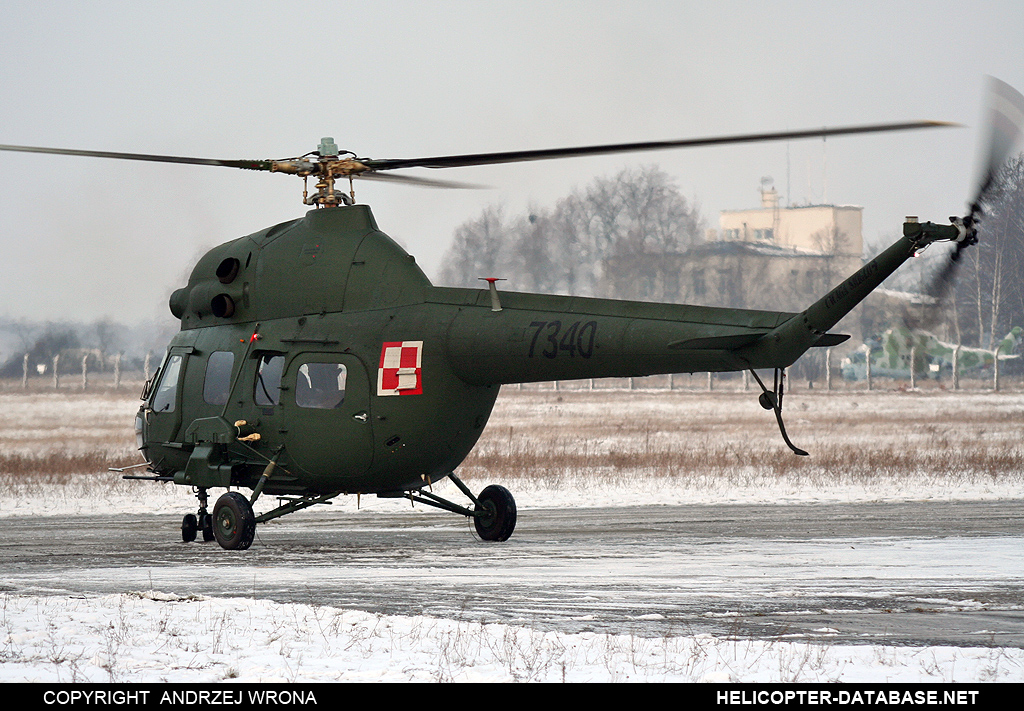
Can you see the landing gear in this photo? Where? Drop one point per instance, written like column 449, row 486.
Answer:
column 192, row 524
column 772, row 400
column 189, row 528
column 234, row 524
column 206, row 524
column 496, row 514
column 493, row 513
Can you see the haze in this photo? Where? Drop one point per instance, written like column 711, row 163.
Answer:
column 87, row 238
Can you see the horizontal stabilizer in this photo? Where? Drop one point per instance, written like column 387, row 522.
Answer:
column 831, row 339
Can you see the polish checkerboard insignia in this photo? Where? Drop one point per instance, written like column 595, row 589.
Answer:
column 400, row 371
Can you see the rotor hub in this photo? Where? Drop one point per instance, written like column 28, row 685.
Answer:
column 327, row 165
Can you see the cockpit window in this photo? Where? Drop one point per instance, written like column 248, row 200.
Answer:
column 167, row 392
column 268, row 380
column 320, row 385
column 217, row 386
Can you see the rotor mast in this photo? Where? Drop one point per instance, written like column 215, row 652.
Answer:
column 329, row 165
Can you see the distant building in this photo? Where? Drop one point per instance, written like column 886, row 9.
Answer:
column 827, row 229
column 774, row 258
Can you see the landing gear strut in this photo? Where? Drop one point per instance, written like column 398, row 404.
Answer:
column 199, row 521
column 494, row 510
column 772, row 400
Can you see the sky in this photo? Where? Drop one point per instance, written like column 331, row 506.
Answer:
column 86, row 238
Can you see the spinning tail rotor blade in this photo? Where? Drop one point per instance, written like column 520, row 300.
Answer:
column 1005, row 126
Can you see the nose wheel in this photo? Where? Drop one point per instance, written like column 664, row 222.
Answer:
column 192, row 524
column 189, row 528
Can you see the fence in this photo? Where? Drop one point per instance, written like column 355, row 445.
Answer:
column 90, row 370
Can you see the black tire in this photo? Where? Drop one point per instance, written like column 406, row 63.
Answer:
column 498, row 514
column 189, row 527
column 206, row 524
column 234, row 524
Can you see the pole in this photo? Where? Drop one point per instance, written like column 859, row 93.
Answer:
column 867, row 360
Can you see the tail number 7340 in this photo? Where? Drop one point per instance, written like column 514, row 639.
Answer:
column 549, row 340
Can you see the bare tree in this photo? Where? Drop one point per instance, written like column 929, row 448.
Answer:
column 988, row 296
column 476, row 249
column 633, row 216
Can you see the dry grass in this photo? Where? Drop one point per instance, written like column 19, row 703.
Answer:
column 853, row 437
column 59, row 467
column 561, row 438
column 848, row 462
column 64, row 438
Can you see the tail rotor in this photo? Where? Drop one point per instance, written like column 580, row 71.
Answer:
column 1005, row 127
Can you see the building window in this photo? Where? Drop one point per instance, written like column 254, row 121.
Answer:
column 725, row 283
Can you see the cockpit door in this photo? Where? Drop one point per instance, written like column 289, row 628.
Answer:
column 325, row 401
column 163, row 410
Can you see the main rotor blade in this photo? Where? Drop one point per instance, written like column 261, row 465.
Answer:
column 245, row 164
column 471, row 159
column 416, row 180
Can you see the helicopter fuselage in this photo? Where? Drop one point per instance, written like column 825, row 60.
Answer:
column 320, row 345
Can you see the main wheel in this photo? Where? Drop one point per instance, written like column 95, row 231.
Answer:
column 189, row 527
column 498, row 514
column 234, row 524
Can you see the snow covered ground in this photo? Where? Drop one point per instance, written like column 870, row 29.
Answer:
column 149, row 637
column 144, row 635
